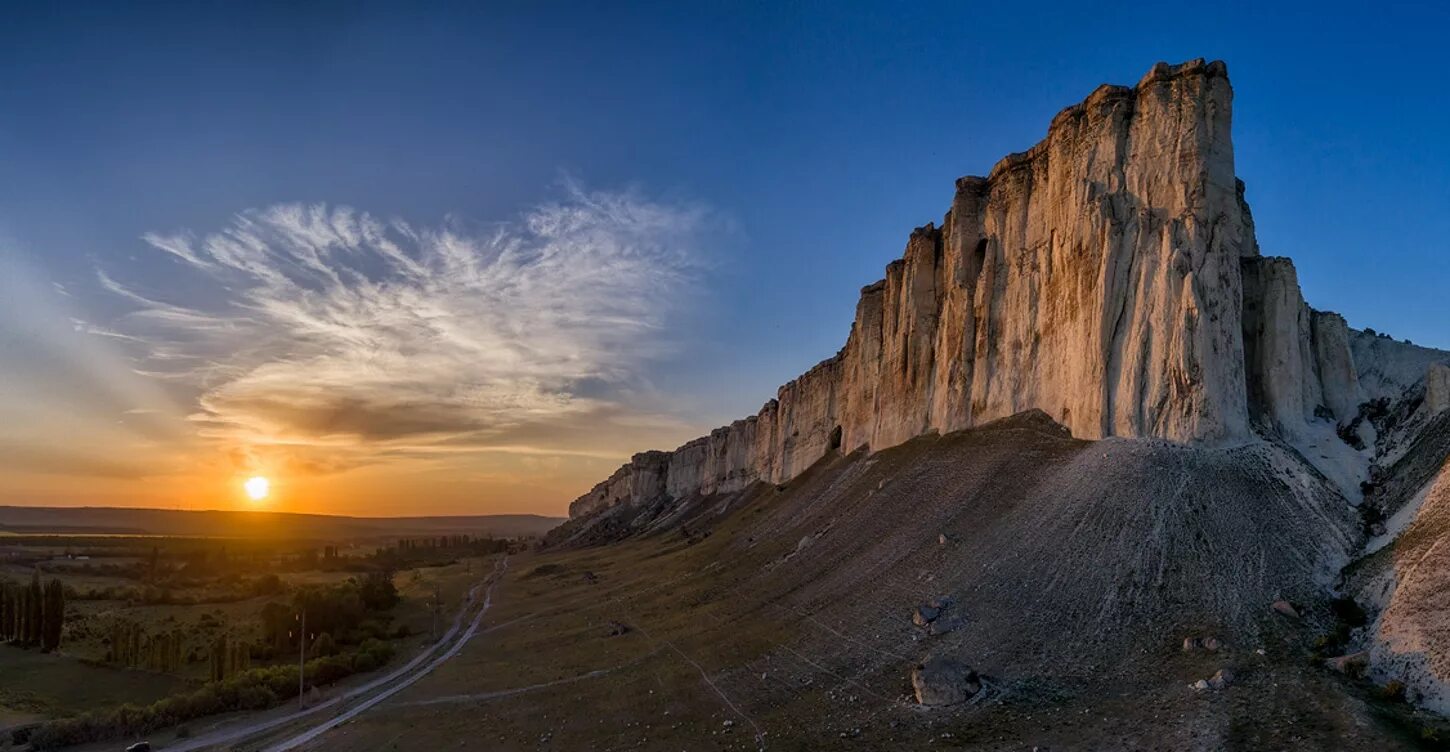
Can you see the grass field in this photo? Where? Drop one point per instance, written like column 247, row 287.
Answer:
column 198, row 603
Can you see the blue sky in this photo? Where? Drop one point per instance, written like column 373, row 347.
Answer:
column 787, row 149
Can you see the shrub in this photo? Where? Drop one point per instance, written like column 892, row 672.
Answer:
column 1349, row 612
column 323, row 646
column 254, row 689
column 1393, row 690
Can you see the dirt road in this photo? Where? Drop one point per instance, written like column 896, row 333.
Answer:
column 358, row 700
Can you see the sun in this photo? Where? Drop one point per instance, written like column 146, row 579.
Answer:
column 257, row 487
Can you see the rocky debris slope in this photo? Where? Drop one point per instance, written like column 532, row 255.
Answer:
column 1078, row 568
column 1108, row 276
column 1403, row 576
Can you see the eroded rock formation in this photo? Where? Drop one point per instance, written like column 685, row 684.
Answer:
column 1108, row 276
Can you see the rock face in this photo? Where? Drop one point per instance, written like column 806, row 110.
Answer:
column 1437, row 388
column 1297, row 360
column 1388, row 367
column 1109, row 276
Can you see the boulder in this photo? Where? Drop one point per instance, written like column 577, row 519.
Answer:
column 1351, row 664
column 1221, row 679
column 925, row 615
column 1286, row 608
column 942, row 681
column 1194, row 644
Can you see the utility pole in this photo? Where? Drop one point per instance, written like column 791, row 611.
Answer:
column 301, row 659
column 437, row 607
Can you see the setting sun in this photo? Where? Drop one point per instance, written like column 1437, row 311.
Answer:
column 257, row 488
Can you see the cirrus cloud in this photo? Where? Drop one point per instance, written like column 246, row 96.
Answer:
column 332, row 333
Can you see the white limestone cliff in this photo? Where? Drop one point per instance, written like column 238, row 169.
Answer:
column 1108, row 276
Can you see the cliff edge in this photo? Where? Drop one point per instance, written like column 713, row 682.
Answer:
column 1109, row 276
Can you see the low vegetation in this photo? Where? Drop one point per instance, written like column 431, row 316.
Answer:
column 223, row 617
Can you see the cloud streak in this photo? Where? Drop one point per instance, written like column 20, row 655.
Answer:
column 329, row 330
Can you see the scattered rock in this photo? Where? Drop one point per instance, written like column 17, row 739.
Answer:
column 942, row 681
column 617, row 628
column 943, row 539
column 1350, row 664
column 927, row 613
column 1286, row 608
column 1220, row 680
column 1194, row 644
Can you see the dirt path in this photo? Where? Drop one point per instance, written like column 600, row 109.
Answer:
column 359, row 699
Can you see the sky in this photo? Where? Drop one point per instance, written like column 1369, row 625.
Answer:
column 423, row 258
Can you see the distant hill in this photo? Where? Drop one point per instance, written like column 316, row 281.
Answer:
column 124, row 521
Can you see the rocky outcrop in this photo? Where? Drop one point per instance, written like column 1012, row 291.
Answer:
column 1437, row 388
column 1109, row 276
column 642, row 479
column 1297, row 361
column 1387, row 367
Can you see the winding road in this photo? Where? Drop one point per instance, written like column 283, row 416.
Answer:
column 359, row 699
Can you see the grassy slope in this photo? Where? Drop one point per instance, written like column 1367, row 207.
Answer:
column 1080, row 567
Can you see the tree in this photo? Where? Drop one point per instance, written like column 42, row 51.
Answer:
column 378, row 592
column 323, row 646
column 35, row 610
column 229, row 658
column 7, row 609
column 52, row 616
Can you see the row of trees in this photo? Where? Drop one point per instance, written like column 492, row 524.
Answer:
column 32, row 615
column 133, row 648
column 247, row 689
column 229, row 657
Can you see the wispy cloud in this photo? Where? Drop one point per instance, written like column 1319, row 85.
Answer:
column 336, row 333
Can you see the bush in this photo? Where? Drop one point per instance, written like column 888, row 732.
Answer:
column 1393, row 690
column 267, row 584
column 323, row 646
column 1348, row 612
